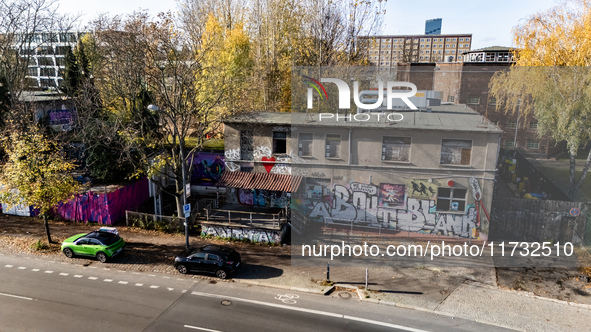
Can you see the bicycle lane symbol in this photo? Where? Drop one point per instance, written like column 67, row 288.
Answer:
column 287, row 298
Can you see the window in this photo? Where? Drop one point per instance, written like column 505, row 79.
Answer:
column 246, row 148
column 47, row 72
column 333, row 146
column 200, row 255
column 279, row 142
column 451, row 199
column 47, row 82
column 61, row 62
column 212, row 257
column 305, row 144
column 45, row 61
column 61, row 50
column 492, row 101
column 511, row 124
column 450, row 99
column 456, row 152
column 473, row 100
column 533, row 125
column 32, row 71
column 533, row 144
column 509, row 145
column 461, row 39
column 396, row 148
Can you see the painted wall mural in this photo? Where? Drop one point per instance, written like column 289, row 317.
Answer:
column 260, row 197
column 254, row 235
column 390, row 206
column 106, row 208
column 207, row 168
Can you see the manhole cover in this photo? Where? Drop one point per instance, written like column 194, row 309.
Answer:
column 345, row 295
column 226, row 302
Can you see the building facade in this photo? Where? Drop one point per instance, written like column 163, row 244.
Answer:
column 45, row 53
column 467, row 83
column 387, row 51
column 419, row 174
column 433, row 26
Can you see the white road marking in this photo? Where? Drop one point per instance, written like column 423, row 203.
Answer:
column 311, row 311
column 135, row 273
column 64, row 274
column 154, row 286
column 169, row 288
column 108, row 280
column 48, row 271
column 124, row 282
column 92, row 267
column 201, row 328
column 165, row 277
column 16, row 296
column 151, row 275
column 92, row 278
column 8, row 265
column 139, row 285
column 21, row 267
column 34, row 270
column 78, row 276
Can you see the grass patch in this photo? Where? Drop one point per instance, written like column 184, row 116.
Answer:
column 39, row 245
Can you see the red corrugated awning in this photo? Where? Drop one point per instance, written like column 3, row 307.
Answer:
column 273, row 182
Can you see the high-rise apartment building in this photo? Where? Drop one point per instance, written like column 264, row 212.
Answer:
column 46, row 54
column 433, row 26
column 386, row 51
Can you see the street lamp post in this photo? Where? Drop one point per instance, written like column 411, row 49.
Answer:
column 155, row 108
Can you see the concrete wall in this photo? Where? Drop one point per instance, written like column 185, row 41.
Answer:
column 241, row 233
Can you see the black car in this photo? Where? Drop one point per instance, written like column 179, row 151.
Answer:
column 219, row 260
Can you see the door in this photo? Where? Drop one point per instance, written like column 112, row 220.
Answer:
column 197, row 262
column 81, row 247
column 212, row 262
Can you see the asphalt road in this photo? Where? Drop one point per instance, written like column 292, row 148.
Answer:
column 38, row 295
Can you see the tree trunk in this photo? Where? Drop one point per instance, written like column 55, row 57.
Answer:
column 575, row 185
column 46, row 223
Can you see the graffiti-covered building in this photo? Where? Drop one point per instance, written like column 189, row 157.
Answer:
column 427, row 171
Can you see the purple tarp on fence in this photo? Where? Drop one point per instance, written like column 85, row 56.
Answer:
column 105, row 208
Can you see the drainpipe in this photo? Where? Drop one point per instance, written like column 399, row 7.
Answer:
column 350, row 147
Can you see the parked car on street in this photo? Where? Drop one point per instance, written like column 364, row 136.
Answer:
column 100, row 244
column 219, row 260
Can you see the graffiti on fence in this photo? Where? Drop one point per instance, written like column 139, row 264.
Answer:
column 254, row 235
column 104, row 208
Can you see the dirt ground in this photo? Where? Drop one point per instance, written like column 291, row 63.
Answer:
column 150, row 250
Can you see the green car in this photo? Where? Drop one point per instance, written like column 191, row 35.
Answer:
column 100, row 244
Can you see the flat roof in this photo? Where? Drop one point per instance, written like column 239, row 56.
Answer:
column 447, row 117
column 423, row 35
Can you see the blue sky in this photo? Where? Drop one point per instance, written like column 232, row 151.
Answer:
column 489, row 22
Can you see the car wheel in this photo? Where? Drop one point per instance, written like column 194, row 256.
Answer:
column 68, row 252
column 182, row 269
column 101, row 257
column 221, row 274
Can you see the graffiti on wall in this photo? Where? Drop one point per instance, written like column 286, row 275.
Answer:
column 261, row 197
column 254, row 235
column 207, row 168
column 422, row 189
column 360, row 203
column 106, row 208
column 273, row 164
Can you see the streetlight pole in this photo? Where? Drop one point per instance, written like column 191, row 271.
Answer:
column 155, row 108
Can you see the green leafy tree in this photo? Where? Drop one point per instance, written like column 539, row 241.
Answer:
column 551, row 78
column 36, row 173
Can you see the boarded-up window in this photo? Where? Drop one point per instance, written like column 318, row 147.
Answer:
column 333, row 146
column 305, row 144
column 246, row 148
column 279, row 142
column 456, row 152
column 396, row 149
column 451, row 199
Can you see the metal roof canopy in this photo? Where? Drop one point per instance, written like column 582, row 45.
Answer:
column 264, row 181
